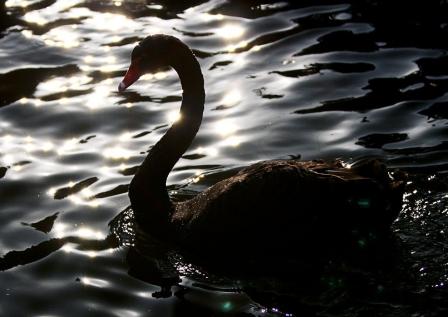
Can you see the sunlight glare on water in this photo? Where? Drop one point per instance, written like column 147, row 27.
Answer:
column 230, row 31
column 283, row 79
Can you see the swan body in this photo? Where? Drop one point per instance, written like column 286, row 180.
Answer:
column 271, row 206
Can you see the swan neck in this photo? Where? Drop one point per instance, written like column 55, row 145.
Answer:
column 179, row 136
column 192, row 81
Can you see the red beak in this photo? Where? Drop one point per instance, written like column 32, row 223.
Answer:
column 132, row 75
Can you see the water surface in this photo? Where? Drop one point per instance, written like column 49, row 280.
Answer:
column 326, row 79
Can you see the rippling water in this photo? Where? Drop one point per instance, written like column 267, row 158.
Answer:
column 316, row 79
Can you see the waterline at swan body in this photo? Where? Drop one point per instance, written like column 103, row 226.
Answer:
column 274, row 205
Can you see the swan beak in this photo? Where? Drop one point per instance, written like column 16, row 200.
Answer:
column 132, row 75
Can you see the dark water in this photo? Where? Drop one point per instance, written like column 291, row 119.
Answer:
column 316, row 79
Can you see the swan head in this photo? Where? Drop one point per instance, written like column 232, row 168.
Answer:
column 152, row 54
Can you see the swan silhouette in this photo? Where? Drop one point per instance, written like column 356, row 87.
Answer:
column 277, row 205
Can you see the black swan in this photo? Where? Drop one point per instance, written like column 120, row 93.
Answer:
column 271, row 206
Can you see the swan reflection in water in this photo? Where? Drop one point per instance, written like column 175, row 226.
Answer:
column 245, row 288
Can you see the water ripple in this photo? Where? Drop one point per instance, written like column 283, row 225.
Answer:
column 284, row 79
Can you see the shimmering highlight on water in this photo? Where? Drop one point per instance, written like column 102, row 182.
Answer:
column 284, row 79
